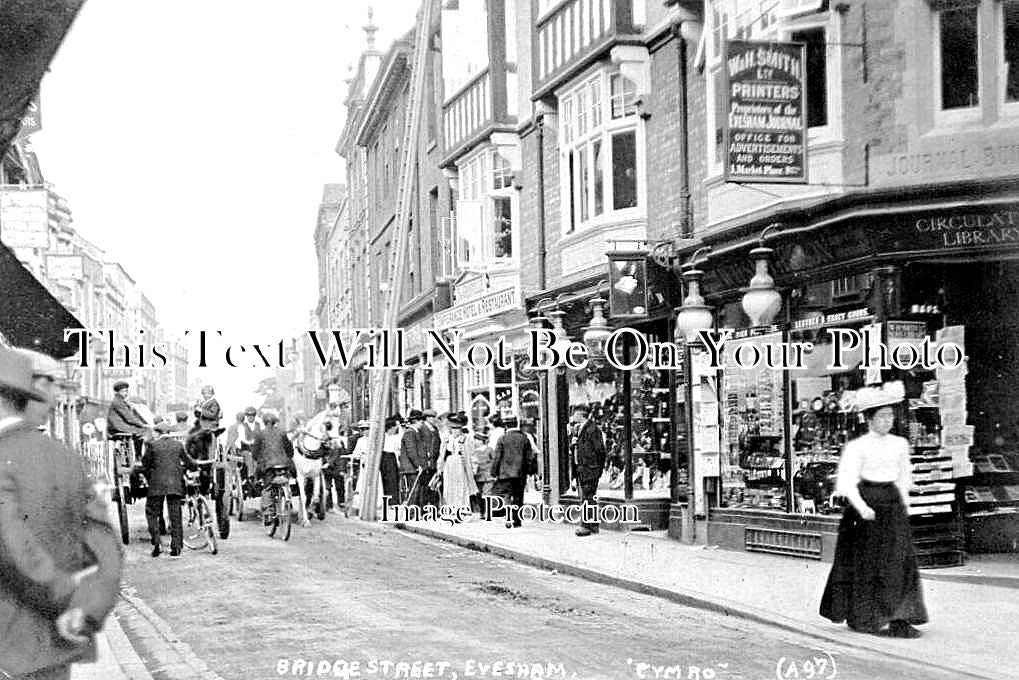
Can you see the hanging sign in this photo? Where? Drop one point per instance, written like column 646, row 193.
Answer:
column 628, row 298
column 765, row 122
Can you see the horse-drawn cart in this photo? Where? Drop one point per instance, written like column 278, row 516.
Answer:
column 114, row 465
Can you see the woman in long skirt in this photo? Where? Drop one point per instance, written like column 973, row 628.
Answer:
column 874, row 580
column 456, row 463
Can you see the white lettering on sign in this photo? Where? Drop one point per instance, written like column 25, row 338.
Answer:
column 478, row 309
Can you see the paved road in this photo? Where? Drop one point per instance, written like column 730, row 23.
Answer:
column 345, row 591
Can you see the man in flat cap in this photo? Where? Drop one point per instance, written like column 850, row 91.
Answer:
column 60, row 559
column 122, row 418
column 46, row 373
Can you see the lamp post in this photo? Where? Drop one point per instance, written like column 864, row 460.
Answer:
column 538, row 322
column 597, row 332
column 692, row 316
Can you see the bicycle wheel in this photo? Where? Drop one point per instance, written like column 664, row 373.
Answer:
column 208, row 522
column 283, row 513
column 195, row 537
column 270, row 528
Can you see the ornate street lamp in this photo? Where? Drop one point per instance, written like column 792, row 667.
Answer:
column 693, row 315
column 598, row 331
column 762, row 302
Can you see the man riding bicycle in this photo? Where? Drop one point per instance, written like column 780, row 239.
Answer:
column 272, row 452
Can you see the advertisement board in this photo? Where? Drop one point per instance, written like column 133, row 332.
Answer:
column 765, row 122
column 24, row 218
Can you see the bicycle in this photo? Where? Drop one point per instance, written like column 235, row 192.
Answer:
column 282, row 501
column 199, row 530
column 235, row 505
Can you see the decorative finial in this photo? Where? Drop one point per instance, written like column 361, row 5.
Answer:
column 370, row 29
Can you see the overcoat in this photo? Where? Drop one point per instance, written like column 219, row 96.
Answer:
column 513, row 455
column 590, row 452
column 164, row 463
column 52, row 524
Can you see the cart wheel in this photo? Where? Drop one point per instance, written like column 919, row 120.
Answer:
column 205, row 516
column 195, row 536
column 125, row 535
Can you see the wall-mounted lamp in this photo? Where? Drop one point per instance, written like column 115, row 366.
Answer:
column 694, row 315
column 762, row 302
column 597, row 332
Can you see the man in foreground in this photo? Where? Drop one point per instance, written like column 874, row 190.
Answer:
column 60, row 559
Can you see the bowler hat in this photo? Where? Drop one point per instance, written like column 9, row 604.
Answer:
column 16, row 374
column 250, row 411
column 415, row 415
column 888, row 394
column 458, row 420
column 120, row 385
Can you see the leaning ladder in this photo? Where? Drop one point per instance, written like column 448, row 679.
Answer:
column 381, row 378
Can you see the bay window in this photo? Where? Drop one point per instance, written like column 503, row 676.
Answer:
column 601, row 150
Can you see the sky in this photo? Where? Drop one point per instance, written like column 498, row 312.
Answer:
column 192, row 138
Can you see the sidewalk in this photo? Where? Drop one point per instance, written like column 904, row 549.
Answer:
column 974, row 609
column 116, row 658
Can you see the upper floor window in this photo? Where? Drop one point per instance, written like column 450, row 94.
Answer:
column 600, row 151
column 1010, row 51
column 959, row 73
column 484, row 220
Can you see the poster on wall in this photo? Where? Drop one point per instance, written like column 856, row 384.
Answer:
column 765, row 122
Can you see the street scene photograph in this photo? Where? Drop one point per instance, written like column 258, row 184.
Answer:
column 560, row 339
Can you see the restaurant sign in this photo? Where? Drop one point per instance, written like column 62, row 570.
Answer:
column 764, row 123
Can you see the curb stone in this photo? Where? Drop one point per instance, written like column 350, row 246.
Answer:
column 689, row 599
column 200, row 668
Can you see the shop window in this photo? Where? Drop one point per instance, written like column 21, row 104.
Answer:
column 601, row 150
column 817, row 74
column 959, row 76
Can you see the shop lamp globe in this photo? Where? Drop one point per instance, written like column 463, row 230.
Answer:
column 761, row 302
column 562, row 338
column 693, row 315
column 597, row 332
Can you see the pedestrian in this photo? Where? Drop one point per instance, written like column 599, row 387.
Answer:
column 431, row 442
column 483, row 478
column 456, row 464
column 272, row 449
column 46, row 374
column 514, row 459
column 590, row 461
column 360, row 453
column 412, row 458
column 163, row 464
column 496, row 429
column 60, row 559
column 389, row 468
column 874, row 580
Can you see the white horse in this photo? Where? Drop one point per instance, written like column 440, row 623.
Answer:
column 308, row 464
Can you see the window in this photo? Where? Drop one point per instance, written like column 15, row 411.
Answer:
column 600, row 149
column 484, row 214
column 1010, row 51
column 817, row 74
column 959, row 77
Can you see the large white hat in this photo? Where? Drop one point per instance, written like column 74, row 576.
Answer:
column 887, row 394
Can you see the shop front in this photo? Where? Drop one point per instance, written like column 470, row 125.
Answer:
column 873, row 289
column 640, row 411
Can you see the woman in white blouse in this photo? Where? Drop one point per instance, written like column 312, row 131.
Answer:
column 874, row 580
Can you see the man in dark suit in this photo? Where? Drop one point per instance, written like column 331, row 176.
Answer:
column 431, row 443
column 413, row 458
column 163, row 464
column 514, row 459
column 60, row 559
column 590, row 452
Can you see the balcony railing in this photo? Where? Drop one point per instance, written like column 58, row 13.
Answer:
column 576, row 29
column 468, row 111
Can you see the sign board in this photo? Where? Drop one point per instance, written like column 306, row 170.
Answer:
column 628, row 286
column 477, row 309
column 64, row 267
column 765, row 122
column 32, row 120
column 24, row 218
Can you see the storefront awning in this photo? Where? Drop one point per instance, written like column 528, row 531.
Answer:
column 30, row 33
column 29, row 315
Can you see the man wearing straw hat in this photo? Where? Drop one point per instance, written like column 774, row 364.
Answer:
column 59, row 556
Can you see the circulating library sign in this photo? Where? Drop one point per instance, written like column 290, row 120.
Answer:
column 765, row 123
